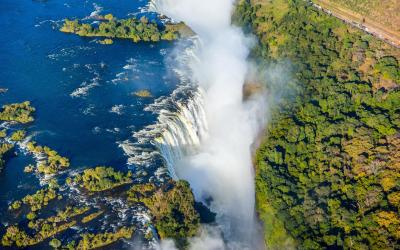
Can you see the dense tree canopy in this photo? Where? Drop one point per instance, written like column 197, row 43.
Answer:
column 17, row 112
column 51, row 162
column 132, row 28
column 328, row 171
column 172, row 208
column 102, row 178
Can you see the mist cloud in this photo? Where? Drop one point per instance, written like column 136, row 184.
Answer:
column 222, row 169
column 208, row 238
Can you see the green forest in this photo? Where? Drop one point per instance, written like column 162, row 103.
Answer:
column 328, row 169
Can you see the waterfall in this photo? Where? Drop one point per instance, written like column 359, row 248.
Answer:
column 181, row 126
column 154, row 6
column 222, row 169
column 181, row 123
column 183, row 130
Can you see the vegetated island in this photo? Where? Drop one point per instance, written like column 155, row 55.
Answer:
column 20, row 113
column 328, row 170
column 40, row 199
column 93, row 241
column 172, row 208
column 106, row 41
column 18, row 135
column 100, row 179
column 144, row 93
column 91, row 216
column 131, row 28
column 17, row 112
column 63, row 220
column 50, row 162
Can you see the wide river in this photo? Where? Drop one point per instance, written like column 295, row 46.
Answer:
column 82, row 90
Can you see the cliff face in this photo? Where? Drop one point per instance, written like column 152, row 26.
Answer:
column 328, row 171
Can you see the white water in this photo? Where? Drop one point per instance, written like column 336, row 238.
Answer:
column 181, row 123
column 183, row 131
column 214, row 154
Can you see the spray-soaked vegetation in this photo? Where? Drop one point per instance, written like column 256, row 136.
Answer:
column 172, row 209
column 131, row 28
column 328, row 171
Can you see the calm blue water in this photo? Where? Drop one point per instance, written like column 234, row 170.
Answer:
column 80, row 89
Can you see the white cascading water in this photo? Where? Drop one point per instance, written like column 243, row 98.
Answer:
column 220, row 168
column 181, row 122
column 180, row 127
column 183, row 131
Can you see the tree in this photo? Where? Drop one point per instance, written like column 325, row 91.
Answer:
column 55, row 243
